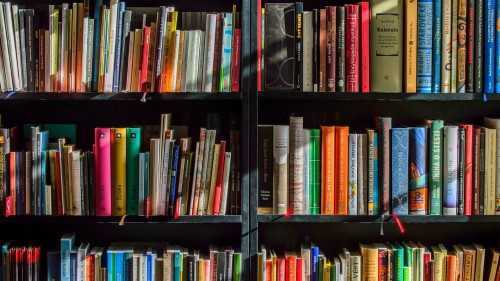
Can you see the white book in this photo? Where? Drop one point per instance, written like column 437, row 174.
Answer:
column 47, row 62
column 296, row 170
column 225, row 186
column 48, row 200
column 17, row 38
column 450, row 171
column 280, row 169
column 208, row 65
column 189, row 62
column 305, row 165
column 307, row 43
column 76, row 183
column 200, row 61
column 175, row 63
column 353, row 174
column 5, row 50
column 85, row 51
column 63, row 47
column 187, row 47
column 90, row 59
column 12, row 47
column 355, row 267
column 108, row 77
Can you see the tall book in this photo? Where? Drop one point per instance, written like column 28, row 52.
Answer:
column 478, row 46
column 102, row 152
column 461, row 45
column 307, row 51
column 470, row 44
column 454, row 32
column 280, row 46
column 280, row 169
column 132, row 179
column 436, row 45
column 315, row 172
column 489, row 46
column 112, row 35
column 435, row 166
column 490, row 171
column 118, row 171
column 411, row 46
column 340, row 60
column 400, row 143
column 227, row 42
column 424, row 46
column 450, row 170
column 373, row 205
column 296, row 169
column 306, row 185
column 418, row 190
column 331, row 23
column 446, row 47
column 364, row 43
column 495, row 124
column 327, row 170
column 352, row 48
column 353, row 174
column 322, row 44
column 384, row 125
column 341, row 194
column 265, row 169
column 362, row 173
column 468, row 168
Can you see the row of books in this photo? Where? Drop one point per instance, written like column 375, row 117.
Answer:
column 431, row 169
column 177, row 176
column 94, row 46
column 439, row 46
column 382, row 262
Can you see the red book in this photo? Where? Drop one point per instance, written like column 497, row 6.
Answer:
column 469, row 69
column 145, row 58
column 476, row 171
column 235, row 61
column 365, row 47
column 102, row 171
column 259, row 46
column 427, row 267
column 269, row 268
column 281, row 269
column 300, row 269
column 220, row 179
column 10, row 201
column 352, row 48
column 382, row 264
column 322, row 50
column 331, row 22
column 468, row 160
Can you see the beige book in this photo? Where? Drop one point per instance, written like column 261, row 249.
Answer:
column 74, row 47
column 108, row 77
column 130, row 60
column 48, row 200
column 225, row 185
column 68, row 184
column 490, row 171
column 296, row 169
column 280, row 169
column 494, row 265
column 494, row 123
column 479, row 267
column 194, row 179
column 173, row 63
column 206, row 171
column 76, row 187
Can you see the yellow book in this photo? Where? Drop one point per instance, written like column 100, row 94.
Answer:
column 438, row 273
column 411, row 46
column 54, row 44
column 118, row 171
column 169, row 52
column 201, row 270
column 369, row 255
column 490, row 171
column 326, row 271
column 479, row 268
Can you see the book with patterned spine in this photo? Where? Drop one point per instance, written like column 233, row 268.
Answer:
column 446, row 47
column 450, row 170
column 280, row 169
column 353, row 174
column 411, row 46
column 418, row 190
column 296, row 172
column 400, row 142
column 424, row 46
column 435, row 166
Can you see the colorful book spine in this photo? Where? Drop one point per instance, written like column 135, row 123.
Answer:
column 373, row 174
column 478, row 46
column 314, row 172
column 468, row 168
column 418, row 192
column 352, row 48
column 296, row 175
column 384, row 125
column 461, row 45
column 66, row 249
column 235, row 61
column 469, row 68
column 424, row 46
column 225, row 71
column 435, row 166
column 446, row 47
column 450, row 170
column 497, row 71
column 132, row 180
column 118, row 171
column 327, row 170
column 400, row 141
column 454, row 33
column 118, row 47
column 436, row 46
column 341, row 194
column 411, row 46
column 103, row 171
column 353, row 174
column 489, row 46
column 341, row 53
column 365, row 47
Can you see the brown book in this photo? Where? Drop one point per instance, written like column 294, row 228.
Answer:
column 180, row 62
column 495, row 255
column 331, row 21
column 322, row 50
column 217, row 53
column 152, row 58
column 137, row 60
column 469, row 267
column 79, row 49
column 461, row 42
column 41, row 60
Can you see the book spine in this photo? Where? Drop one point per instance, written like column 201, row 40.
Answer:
column 365, row 47
column 299, row 13
column 315, row 172
column 400, row 141
column 353, row 174
column 96, row 43
column 476, row 170
column 450, row 170
column 307, row 53
column 362, row 173
column 225, row 74
column 327, row 170
column 410, row 46
column 435, row 171
column 31, row 49
column 454, row 33
column 218, row 196
column 280, row 169
column 341, row 194
column 259, row 45
column 468, row 173
column 103, row 171
column 266, row 170
column 384, row 125
column 373, row 170
column 424, row 47
column 489, row 46
column 436, row 46
column 418, row 192
column 331, row 21
column 132, row 160
column 497, row 60
column 143, row 83
column 119, row 46
column 352, row 48
column 5, row 50
column 235, row 61
column 315, row 50
column 490, row 172
column 470, row 44
column 446, row 47
column 478, row 46
column 118, row 171
column 66, row 248
column 305, row 167
column 111, row 50
column 322, row 50
column 296, row 176
column 461, row 45
column 482, row 170
column 341, row 63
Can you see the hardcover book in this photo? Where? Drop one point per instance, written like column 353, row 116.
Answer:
column 418, row 190
column 400, row 143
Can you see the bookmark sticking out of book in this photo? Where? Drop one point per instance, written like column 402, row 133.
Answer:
column 398, row 223
column 143, row 98
column 382, row 219
column 288, row 212
column 122, row 220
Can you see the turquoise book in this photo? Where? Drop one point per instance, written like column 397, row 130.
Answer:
column 227, row 43
column 67, row 242
column 436, row 46
column 132, row 162
column 399, row 163
column 424, row 46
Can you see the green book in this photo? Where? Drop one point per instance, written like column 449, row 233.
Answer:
column 398, row 258
column 132, row 158
column 333, row 272
column 406, row 274
column 408, row 263
column 321, row 265
column 237, row 267
column 314, row 172
column 435, row 171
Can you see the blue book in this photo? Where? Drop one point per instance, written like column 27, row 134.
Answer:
column 74, row 265
column 399, row 164
column 436, row 47
column 149, row 267
column 314, row 263
column 227, row 45
column 497, row 79
column 42, row 169
column 424, row 47
column 177, row 260
column 450, row 170
column 418, row 171
column 43, row 182
column 118, row 47
column 173, row 183
column 53, row 268
column 110, row 264
column 97, row 37
column 489, row 46
column 66, row 249
column 119, row 266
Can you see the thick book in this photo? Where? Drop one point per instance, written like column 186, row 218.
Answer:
column 296, row 170
column 307, row 51
column 352, row 41
column 494, row 123
column 322, row 44
column 132, row 180
column 461, row 45
column 265, row 169
column 450, row 170
column 327, row 170
column 280, row 46
column 384, row 125
column 418, row 189
column 399, row 161
column 424, row 46
column 489, row 46
column 435, row 166
column 118, row 171
column 102, row 158
column 341, row 194
column 490, row 171
column 411, row 28
column 280, row 169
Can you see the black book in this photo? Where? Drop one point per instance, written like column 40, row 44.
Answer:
column 299, row 9
column 127, row 17
column 340, row 83
column 20, row 188
column 279, row 51
column 90, row 182
column 478, row 48
column 265, row 170
column 482, row 169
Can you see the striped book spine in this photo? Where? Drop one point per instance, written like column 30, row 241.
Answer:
column 424, row 47
column 489, row 46
column 418, row 171
column 461, row 45
column 399, row 161
column 436, row 46
column 497, row 77
column 450, row 170
column 314, row 172
column 454, row 32
column 353, row 174
column 372, row 198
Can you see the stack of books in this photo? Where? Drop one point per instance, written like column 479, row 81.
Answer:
column 175, row 176
column 22, row 263
column 439, row 46
column 431, row 169
column 382, row 262
column 91, row 46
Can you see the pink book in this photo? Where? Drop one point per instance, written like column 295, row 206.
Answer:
column 103, row 171
column 365, row 47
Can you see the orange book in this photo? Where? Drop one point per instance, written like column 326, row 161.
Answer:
column 341, row 170
column 451, row 268
column 291, row 268
column 327, row 170
column 269, row 267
